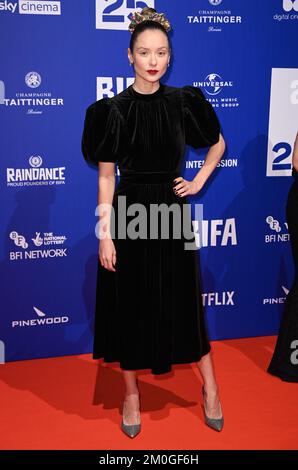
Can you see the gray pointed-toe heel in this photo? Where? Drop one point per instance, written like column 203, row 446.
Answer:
column 214, row 423
column 130, row 430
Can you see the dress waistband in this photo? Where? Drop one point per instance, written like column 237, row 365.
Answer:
column 149, row 177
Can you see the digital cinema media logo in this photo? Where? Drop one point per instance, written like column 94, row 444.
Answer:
column 288, row 11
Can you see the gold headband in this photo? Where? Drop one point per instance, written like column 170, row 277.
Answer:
column 138, row 18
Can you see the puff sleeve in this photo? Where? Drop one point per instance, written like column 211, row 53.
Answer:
column 202, row 127
column 103, row 133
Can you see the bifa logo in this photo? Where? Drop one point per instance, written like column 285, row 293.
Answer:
column 217, row 232
column 289, row 5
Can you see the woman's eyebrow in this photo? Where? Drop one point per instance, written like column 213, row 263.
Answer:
column 147, row 48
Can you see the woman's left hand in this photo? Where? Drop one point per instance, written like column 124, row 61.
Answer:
column 184, row 188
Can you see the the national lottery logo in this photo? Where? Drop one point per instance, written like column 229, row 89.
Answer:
column 281, row 231
column 40, row 319
column 36, row 175
column 51, row 246
column 33, row 79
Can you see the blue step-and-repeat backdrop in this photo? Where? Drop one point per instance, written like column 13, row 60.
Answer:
column 57, row 57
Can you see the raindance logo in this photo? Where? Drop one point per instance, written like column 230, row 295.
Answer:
column 41, row 320
column 36, row 175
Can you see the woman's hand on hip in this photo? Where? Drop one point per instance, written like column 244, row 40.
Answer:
column 184, row 187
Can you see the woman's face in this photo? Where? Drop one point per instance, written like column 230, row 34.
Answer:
column 151, row 52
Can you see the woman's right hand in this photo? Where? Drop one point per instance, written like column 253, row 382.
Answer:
column 107, row 254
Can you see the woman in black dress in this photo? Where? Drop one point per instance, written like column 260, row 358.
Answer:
column 149, row 311
column 284, row 362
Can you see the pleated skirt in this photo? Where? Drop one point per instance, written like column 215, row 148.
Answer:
column 149, row 313
column 284, row 361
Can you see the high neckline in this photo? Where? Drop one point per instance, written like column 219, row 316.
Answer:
column 147, row 96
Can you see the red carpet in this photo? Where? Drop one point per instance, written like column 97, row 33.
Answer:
column 74, row 402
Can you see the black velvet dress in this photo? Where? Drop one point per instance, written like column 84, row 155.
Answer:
column 284, row 361
column 149, row 313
